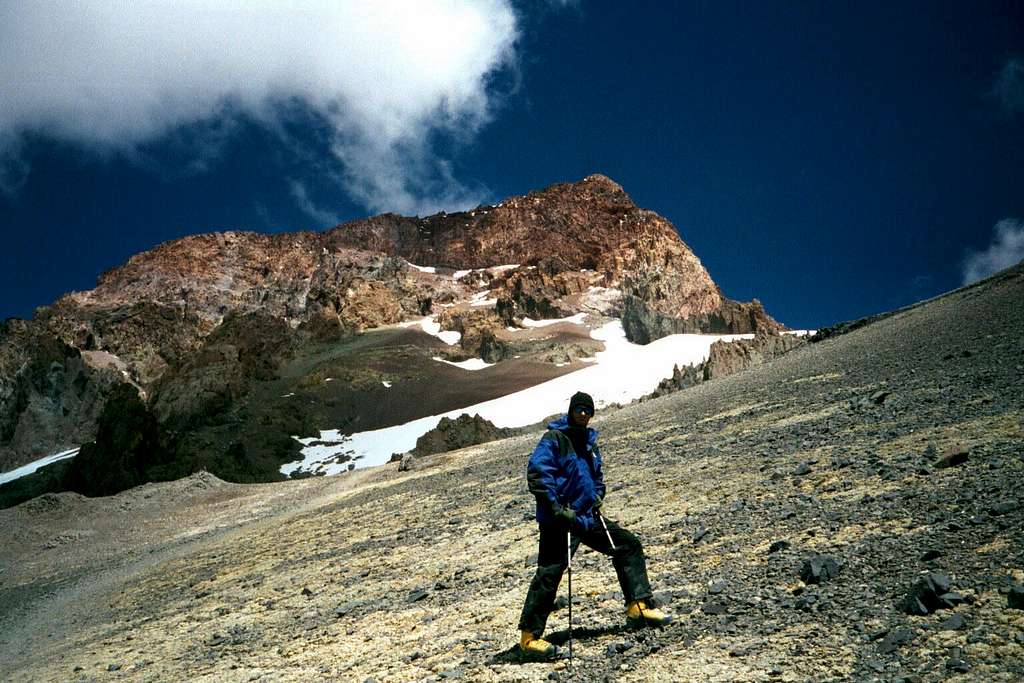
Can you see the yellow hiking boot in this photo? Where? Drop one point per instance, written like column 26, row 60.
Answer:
column 536, row 648
column 638, row 615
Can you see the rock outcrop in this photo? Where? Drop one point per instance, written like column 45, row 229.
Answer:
column 126, row 450
column 643, row 324
column 727, row 358
column 461, row 432
column 50, row 394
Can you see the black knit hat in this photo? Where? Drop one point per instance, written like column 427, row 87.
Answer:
column 581, row 399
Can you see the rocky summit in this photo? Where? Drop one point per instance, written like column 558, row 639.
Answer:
column 851, row 510
column 237, row 341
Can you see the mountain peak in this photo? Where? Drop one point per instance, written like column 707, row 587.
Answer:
column 570, row 248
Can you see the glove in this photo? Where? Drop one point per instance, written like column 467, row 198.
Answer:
column 566, row 516
column 597, row 504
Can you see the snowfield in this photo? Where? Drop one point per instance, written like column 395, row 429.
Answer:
column 622, row 373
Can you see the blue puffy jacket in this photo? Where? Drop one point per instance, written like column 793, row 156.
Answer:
column 559, row 477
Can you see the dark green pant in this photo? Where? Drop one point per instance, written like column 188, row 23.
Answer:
column 627, row 558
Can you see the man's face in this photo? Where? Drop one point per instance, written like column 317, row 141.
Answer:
column 580, row 416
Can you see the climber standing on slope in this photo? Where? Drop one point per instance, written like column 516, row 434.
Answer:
column 565, row 476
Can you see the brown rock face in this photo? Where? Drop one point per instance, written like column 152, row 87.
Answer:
column 50, row 395
column 478, row 329
column 729, row 358
column 155, row 310
column 591, row 225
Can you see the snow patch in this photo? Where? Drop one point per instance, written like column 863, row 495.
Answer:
column 578, row 319
column 432, row 327
column 424, row 269
column 459, row 274
column 28, row 469
column 471, row 364
column 450, row 338
column 387, row 385
column 480, row 299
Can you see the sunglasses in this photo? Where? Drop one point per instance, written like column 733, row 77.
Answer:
column 583, row 410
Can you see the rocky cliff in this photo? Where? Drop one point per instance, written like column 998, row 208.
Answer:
column 51, row 394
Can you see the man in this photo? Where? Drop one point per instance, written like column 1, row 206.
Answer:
column 565, row 476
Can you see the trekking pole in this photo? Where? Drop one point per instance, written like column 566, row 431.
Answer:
column 610, row 541
column 568, row 538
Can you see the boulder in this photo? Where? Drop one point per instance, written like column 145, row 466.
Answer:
column 820, row 568
column 930, row 593
column 953, row 456
column 1015, row 597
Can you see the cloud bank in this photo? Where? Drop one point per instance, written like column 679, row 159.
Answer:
column 1007, row 249
column 384, row 77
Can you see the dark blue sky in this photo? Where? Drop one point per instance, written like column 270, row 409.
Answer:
column 830, row 159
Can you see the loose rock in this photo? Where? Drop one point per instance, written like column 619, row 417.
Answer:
column 1015, row 598
column 930, row 593
column 952, row 456
column 820, row 568
column 954, row 623
column 894, row 639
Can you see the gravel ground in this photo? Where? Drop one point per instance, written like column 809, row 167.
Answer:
column 885, row 455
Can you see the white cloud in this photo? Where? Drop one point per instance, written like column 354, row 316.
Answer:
column 383, row 75
column 1007, row 249
column 322, row 216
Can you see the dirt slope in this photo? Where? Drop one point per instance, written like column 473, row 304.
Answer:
column 835, row 448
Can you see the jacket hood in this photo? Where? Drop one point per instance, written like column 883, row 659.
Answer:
column 562, row 423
